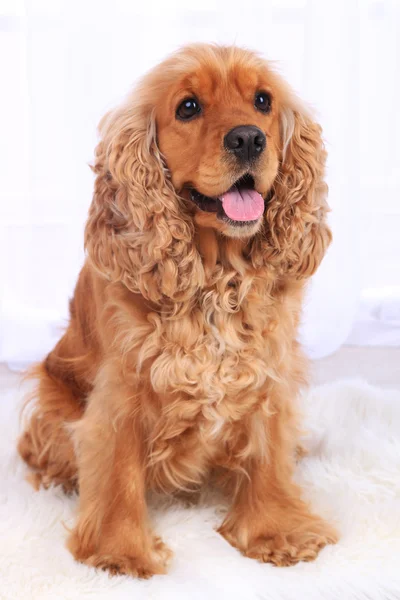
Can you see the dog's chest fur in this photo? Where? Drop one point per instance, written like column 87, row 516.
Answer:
column 210, row 378
column 213, row 354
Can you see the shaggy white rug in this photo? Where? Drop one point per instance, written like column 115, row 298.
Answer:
column 351, row 476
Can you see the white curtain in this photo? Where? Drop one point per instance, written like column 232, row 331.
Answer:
column 64, row 63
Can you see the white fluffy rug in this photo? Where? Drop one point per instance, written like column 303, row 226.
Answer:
column 352, row 476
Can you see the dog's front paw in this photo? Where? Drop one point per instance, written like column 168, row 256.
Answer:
column 296, row 538
column 136, row 564
column 284, row 550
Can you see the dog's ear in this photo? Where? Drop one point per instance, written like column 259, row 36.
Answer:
column 297, row 232
column 138, row 232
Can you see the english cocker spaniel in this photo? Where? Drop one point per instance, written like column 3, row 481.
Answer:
column 180, row 362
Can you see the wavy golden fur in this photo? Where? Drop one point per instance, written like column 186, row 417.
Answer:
column 180, row 362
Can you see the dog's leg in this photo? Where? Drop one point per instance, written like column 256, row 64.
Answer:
column 113, row 531
column 268, row 520
column 45, row 444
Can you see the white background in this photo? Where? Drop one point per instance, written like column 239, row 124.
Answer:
column 63, row 63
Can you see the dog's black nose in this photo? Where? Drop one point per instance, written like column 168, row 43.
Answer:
column 246, row 141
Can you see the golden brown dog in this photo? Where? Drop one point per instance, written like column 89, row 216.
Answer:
column 180, row 361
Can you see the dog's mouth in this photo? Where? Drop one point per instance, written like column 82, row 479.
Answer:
column 240, row 205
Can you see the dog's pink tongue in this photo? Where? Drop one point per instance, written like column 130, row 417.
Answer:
column 243, row 204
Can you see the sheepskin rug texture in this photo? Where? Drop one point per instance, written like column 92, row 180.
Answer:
column 351, row 476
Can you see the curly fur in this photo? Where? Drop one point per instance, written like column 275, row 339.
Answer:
column 180, row 362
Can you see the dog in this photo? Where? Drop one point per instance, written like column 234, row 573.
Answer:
column 180, row 364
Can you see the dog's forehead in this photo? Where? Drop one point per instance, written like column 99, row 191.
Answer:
column 218, row 82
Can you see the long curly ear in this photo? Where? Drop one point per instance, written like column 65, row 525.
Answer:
column 297, row 231
column 137, row 231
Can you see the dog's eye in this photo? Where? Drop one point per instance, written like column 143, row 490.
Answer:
column 262, row 102
column 188, row 109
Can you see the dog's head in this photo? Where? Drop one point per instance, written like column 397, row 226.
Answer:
column 218, row 129
column 211, row 138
